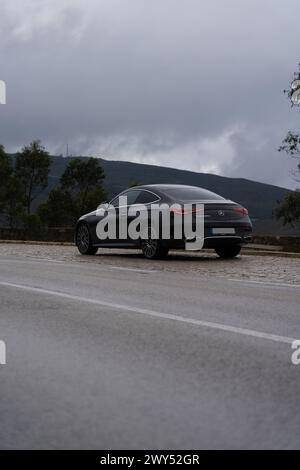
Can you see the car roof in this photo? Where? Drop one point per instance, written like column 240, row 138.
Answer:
column 164, row 186
column 161, row 190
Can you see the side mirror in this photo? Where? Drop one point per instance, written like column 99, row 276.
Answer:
column 103, row 206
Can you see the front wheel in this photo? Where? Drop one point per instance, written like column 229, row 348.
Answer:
column 154, row 249
column 227, row 252
column 84, row 242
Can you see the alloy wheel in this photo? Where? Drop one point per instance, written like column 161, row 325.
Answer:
column 83, row 238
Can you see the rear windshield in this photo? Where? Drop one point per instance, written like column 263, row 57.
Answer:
column 192, row 194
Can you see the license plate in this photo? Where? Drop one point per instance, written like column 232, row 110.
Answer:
column 223, row 231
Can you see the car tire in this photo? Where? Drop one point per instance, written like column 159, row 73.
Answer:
column 84, row 242
column 154, row 248
column 227, row 252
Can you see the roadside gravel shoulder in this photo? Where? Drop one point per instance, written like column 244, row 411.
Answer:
column 263, row 268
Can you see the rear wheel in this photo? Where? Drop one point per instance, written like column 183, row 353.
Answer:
column 154, row 248
column 84, row 242
column 228, row 251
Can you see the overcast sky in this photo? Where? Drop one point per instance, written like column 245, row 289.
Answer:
column 193, row 84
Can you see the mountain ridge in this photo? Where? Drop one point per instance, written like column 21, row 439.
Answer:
column 259, row 198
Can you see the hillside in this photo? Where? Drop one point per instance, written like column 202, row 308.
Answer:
column 259, row 198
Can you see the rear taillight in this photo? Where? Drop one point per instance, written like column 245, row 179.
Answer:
column 182, row 211
column 241, row 210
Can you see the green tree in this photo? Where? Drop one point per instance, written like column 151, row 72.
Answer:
column 84, row 178
column 14, row 210
column 32, row 169
column 289, row 208
column 80, row 191
column 58, row 210
column 6, row 171
column 11, row 205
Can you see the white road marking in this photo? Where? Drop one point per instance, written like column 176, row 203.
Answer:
column 137, row 270
column 31, row 259
column 152, row 313
column 48, row 260
column 263, row 283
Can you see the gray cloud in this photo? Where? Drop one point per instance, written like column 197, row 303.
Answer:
column 191, row 84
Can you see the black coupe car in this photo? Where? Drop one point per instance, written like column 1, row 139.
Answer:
column 226, row 224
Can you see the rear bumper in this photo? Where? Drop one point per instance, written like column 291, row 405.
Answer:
column 224, row 240
column 242, row 236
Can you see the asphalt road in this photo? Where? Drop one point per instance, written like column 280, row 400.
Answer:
column 102, row 356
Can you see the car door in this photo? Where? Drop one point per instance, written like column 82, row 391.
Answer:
column 143, row 203
column 120, row 209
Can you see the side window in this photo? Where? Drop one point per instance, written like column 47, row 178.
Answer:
column 115, row 202
column 132, row 196
column 145, row 197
